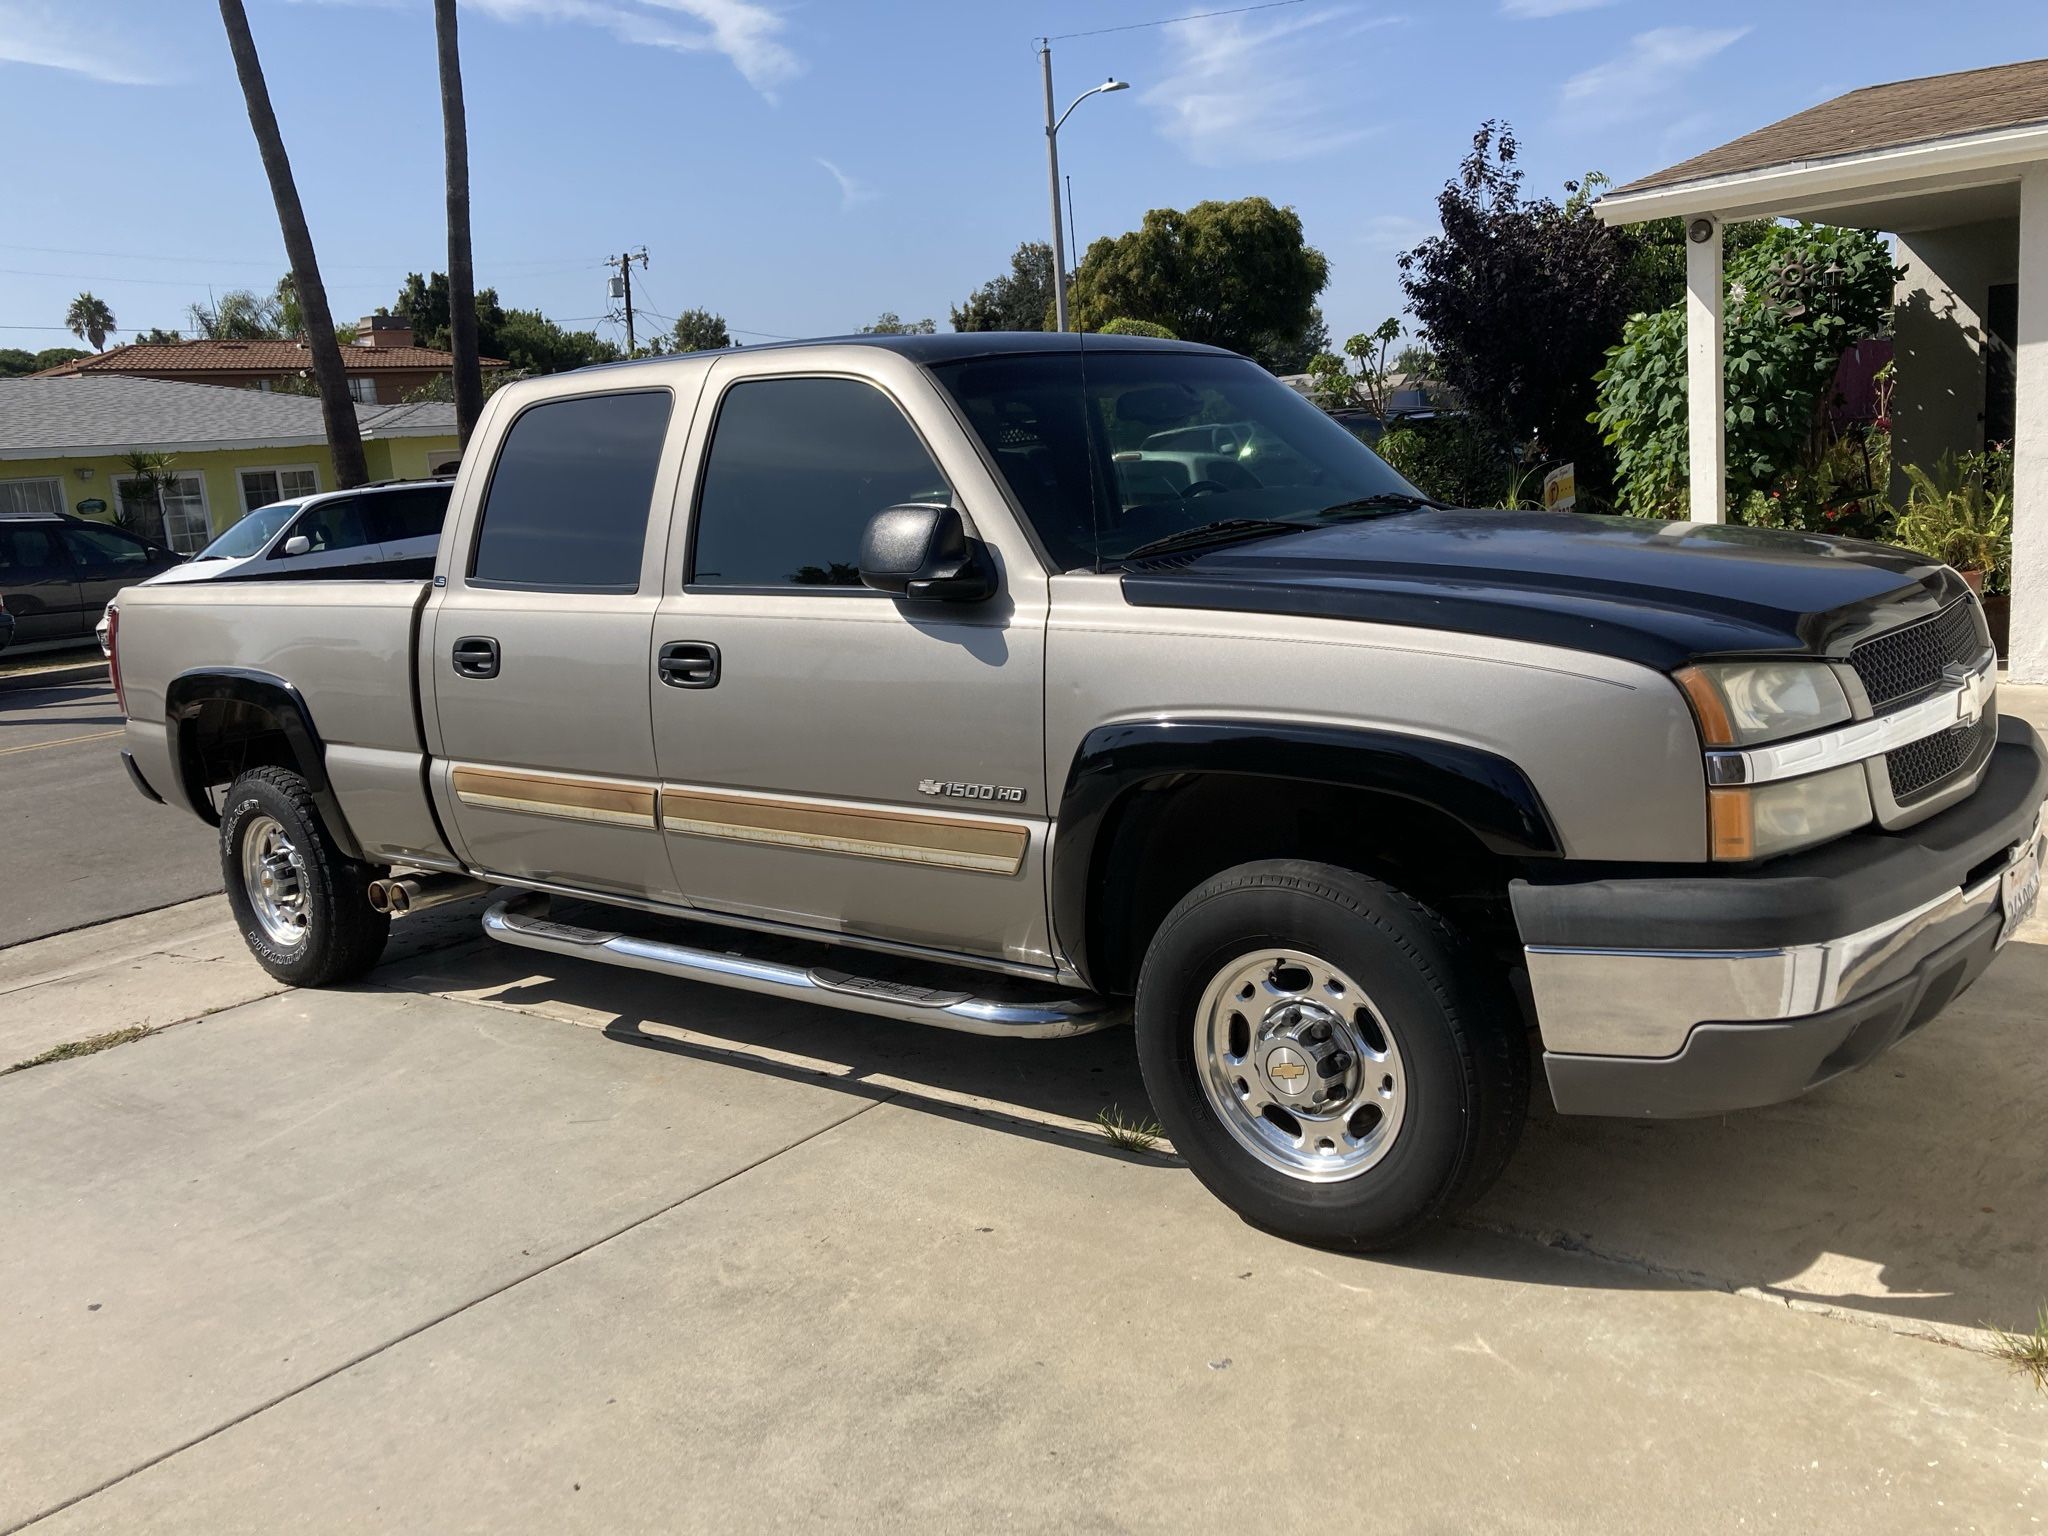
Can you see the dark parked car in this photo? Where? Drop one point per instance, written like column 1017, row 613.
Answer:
column 56, row 573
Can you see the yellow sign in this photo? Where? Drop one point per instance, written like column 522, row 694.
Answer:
column 1560, row 492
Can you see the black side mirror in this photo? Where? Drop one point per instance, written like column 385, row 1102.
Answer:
column 923, row 549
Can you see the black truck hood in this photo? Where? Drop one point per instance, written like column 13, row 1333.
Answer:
column 1659, row 593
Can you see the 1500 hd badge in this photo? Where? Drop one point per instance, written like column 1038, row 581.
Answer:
column 1006, row 794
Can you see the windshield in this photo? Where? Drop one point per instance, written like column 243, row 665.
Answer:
column 249, row 535
column 1109, row 451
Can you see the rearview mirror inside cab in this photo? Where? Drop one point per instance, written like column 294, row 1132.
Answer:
column 923, row 549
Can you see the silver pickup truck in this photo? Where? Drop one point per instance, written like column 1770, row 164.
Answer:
column 1029, row 685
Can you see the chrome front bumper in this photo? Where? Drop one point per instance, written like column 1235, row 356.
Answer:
column 1667, row 1028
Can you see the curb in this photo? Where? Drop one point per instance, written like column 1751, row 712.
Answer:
column 94, row 671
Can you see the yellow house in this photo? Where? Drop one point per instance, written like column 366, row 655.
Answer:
column 65, row 445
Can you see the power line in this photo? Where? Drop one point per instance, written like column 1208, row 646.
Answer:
column 559, row 263
column 1170, row 21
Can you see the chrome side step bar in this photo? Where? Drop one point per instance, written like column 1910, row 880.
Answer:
column 1033, row 1013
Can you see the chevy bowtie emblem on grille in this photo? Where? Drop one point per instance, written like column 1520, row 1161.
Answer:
column 952, row 789
column 1973, row 690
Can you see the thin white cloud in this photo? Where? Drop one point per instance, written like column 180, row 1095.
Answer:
column 1643, row 76
column 744, row 31
column 1238, row 89
column 851, row 188
column 1397, row 232
column 33, row 34
column 1543, row 10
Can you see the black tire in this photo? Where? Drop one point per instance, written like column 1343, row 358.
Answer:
column 1463, row 1049
column 343, row 937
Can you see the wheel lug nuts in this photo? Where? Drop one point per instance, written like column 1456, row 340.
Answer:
column 1318, row 1033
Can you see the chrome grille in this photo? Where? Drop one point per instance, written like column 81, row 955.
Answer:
column 1921, row 767
column 1907, row 662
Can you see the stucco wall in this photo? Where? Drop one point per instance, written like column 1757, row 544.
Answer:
column 1938, row 405
column 386, row 458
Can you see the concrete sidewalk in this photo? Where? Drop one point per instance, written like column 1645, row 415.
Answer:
column 498, row 1242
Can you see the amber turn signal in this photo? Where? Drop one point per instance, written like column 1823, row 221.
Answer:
column 1716, row 730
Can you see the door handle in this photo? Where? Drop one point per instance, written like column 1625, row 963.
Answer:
column 476, row 656
column 688, row 664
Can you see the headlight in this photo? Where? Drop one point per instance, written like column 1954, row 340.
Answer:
column 1769, row 819
column 1745, row 703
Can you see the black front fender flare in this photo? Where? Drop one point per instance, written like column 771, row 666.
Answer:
column 186, row 698
column 1482, row 791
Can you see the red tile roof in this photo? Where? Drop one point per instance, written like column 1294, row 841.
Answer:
column 202, row 357
column 1876, row 117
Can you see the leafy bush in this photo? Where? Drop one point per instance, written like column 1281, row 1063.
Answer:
column 1457, row 460
column 1124, row 325
column 1960, row 513
column 1796, row 300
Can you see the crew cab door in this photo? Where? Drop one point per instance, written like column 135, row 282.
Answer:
column 534, row 657
column 833, row 757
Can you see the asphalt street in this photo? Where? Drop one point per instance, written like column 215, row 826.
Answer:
column 78, row 845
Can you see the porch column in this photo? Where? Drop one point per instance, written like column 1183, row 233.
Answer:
column 1706, row 373
column 2029, row 649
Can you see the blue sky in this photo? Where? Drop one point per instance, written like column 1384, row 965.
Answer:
column 801, row 165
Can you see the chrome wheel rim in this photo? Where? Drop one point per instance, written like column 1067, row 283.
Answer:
column 1299, row 1065
column 274, row 879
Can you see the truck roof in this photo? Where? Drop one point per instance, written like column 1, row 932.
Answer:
column 959, row 346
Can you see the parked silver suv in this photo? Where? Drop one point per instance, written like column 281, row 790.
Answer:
column 1029, row 684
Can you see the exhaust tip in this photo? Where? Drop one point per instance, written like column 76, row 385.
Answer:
column 380, row 896
column 398, row 900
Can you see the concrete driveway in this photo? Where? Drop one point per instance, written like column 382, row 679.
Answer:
column 497, row 1242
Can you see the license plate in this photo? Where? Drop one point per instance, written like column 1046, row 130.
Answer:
column 2019, row 887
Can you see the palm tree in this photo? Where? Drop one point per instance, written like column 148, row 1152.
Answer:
column 89, row 319
column 344, row 436
column 469, row 378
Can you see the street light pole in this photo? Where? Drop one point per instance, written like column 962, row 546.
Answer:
column 1052, row 172
column 1052, row 166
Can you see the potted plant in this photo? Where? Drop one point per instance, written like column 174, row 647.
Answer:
column 1960, row 513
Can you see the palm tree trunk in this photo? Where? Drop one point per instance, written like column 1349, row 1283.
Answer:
column 344, row 436
column 469, row 378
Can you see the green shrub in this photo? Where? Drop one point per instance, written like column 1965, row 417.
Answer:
column 1124, row 325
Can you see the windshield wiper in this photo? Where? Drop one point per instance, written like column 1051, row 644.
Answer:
column 1382, row 501
column 1226, row 530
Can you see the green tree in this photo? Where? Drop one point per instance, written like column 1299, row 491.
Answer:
column 89, row 319
column 15, row 362
column 1238, row 275
column 50, row 357
column 157, row 336
column 1337, row 385
column 425, row 304
column 242, row 314
column 1019, row 300
column 699, row 330
column 889, row 323
column 1521, row 298
column 533, row 344
column 141, row 501
column 1797, row 299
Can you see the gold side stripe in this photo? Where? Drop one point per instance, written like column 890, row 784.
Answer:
column 911, row 837
column 547, row 794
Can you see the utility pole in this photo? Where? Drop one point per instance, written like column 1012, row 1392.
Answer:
column 622, row 285
column 1052, row 166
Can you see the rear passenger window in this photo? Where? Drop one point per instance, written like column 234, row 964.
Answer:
column 569, row 498
column 414, row 514
column 797, row 468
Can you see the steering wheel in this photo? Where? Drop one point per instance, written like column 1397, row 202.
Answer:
column 1202, row 488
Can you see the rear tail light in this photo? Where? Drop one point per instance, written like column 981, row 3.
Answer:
column 114, row 655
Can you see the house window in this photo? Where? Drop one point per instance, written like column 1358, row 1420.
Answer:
column 261, row 487
column 173, row 513
column 362, row 389
column 31, row 498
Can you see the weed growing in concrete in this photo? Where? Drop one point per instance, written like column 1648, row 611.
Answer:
column 1129, row 1135
column 80, row 1048
column 2026, row 1351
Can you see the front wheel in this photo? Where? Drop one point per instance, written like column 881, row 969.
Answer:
column 1333, row 1060
column 302, row 904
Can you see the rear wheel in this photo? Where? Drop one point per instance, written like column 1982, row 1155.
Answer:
column 1333, row 1060
column 302, row 904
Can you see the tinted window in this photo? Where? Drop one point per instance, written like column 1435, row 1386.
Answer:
column 797, row 468
column 103, row 546
column 249, row 535
column 571, row 492
column 1107, row 452
column 329, row 526
column 412, row 514
column 26, row 549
